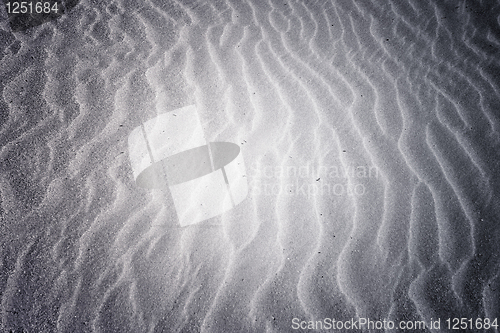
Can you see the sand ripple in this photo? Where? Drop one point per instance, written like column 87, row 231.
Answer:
column 370, row 132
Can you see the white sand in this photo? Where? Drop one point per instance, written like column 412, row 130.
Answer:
column 370, row 134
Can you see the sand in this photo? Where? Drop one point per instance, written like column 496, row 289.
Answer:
column 370, row 135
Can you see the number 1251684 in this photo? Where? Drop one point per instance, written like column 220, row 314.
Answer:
column 29, row 7
column 470, row 324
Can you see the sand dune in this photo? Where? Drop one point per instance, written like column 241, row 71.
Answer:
column 370, row 135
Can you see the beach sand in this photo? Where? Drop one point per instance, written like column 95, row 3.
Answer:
column 370, row 135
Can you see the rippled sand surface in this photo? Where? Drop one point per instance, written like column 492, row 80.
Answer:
column 370, row 135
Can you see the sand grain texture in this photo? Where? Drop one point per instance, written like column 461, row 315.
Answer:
column 391, row 108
